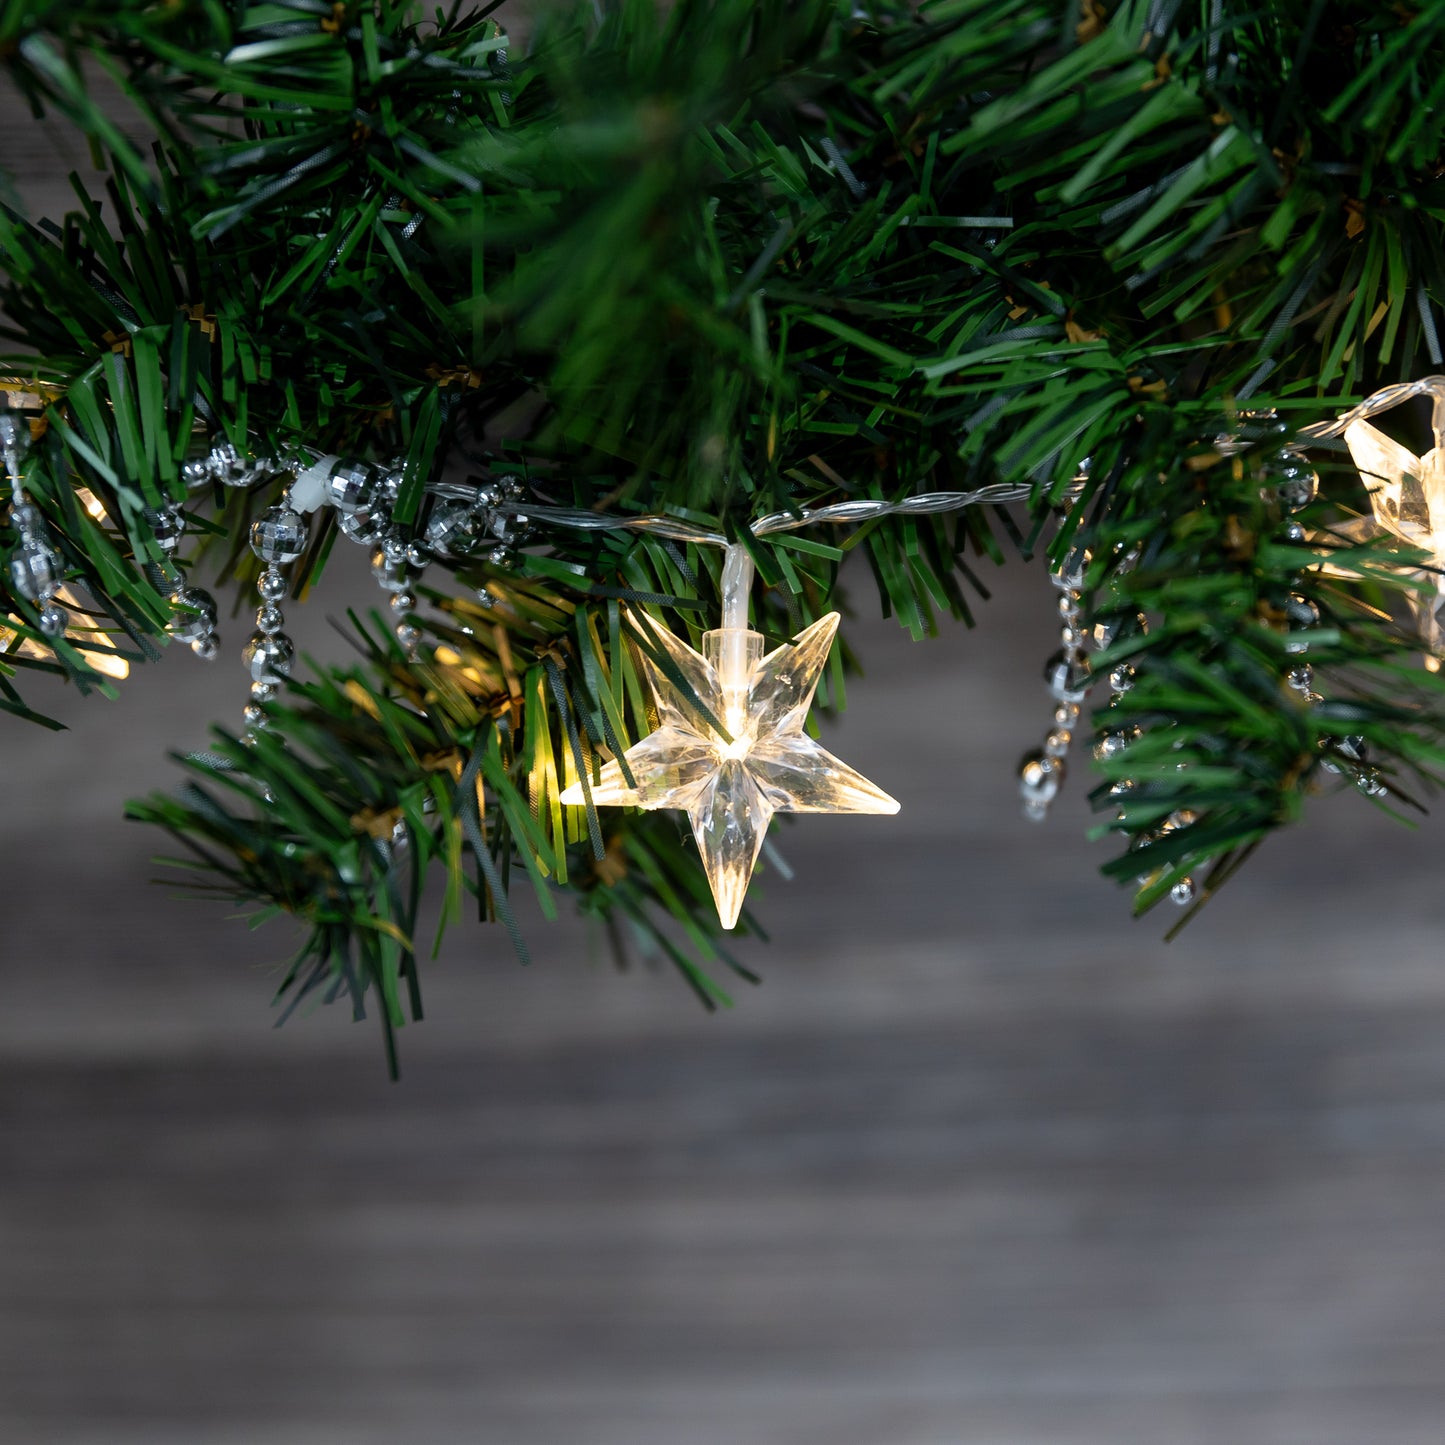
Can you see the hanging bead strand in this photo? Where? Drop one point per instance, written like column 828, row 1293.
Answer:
column 278, row 537
column 36, row 566
column 1041, row 774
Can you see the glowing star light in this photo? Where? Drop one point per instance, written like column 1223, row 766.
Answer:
column 1407, row 493
column 731, row 772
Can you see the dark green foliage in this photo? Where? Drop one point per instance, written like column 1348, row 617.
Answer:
column 734, row 259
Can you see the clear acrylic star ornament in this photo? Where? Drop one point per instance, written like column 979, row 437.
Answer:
column 729, row 748
column 1407, row 493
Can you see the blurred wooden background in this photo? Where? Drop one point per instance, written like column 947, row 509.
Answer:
column 982, row 1163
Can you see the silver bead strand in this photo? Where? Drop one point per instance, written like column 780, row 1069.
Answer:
column 278, row 536
column 1042, row 771
column 36, row 566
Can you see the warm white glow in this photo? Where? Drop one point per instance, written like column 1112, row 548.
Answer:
column 731, row 790
column 107, row 663
column 92, row 504
column 1407, row 496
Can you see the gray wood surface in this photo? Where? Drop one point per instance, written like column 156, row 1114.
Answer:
column 982, row 1163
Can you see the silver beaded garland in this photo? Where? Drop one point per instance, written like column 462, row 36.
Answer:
column 1041, row 773
column 278, row 536
column 36, row 566
column 53, row 620
column 194, row 620
column 167, row 525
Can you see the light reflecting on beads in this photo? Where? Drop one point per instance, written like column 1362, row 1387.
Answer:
column 278, row 535
column 408, row 636
column 271, row 584
column 363, row 527
column 1295, row 482
column 269, row 619
column 402, row 601
column 1111, row 745
column 53, row 620
column 269, row 657
column 35, row 569
column 254, row 715
column 1040, row 777
column 1067, row 677
column 168, row 525
column 1184, row 892
column 207, row 648
column 1057, row 742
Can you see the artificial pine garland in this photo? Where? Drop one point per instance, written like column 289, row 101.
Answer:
column 519, row 322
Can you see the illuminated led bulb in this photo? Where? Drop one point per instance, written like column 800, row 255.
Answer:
column 732, row 770
column 1407, row 496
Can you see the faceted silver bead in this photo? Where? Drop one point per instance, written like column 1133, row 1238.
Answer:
column 485, row 598
column 207, row 647
column 254, row 715
column 1296, row 484
column 168, row 526
column 1183, row 892
column 263, row 691
column 195, row 614
column 1068, row 678
column 35, row 569
column 1121, row 679
column 355, row 487
column 278, row 535
column 1040, row 777
column 1354, row 747
column 1372, row 785
column 391, row 575
column 26, row 518
column 408, row 635
column 269, row 657
column 228, row 467
column 363, row 527
column 403, row 601
column 196, row 473
column 1301, row 611
column 271, row 584
column 53, row 620
column 1070, row 574
column 1072, row 639
column 1111, row 745
column 1301, row 678
column 393, row 548
column 417, row 555
column 1069, row 608
column 270, row 619
column 13, row 436
column 1302, row 615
